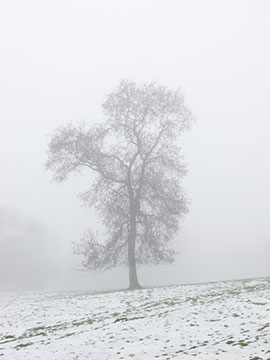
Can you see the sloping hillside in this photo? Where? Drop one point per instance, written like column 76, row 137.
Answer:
column 225, row 320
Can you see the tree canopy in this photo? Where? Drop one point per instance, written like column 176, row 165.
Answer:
column 138, row 167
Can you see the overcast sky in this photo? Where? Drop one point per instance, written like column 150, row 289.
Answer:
column 60, row 58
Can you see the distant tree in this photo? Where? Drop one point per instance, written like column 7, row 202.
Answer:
column 25, row 259
column 136, row 159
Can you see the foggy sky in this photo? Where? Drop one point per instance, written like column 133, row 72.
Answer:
column 58, row 61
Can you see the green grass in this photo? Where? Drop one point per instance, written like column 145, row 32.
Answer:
column 20, row 346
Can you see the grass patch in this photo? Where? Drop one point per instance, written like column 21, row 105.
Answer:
column 82, row 322
column 264, row 327
column 20, row 346
column 128, row 319
column 67, row 335
column 242, row 343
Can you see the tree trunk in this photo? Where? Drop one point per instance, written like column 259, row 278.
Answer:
column 133, row 279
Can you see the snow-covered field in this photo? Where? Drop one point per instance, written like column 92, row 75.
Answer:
column 225, row 320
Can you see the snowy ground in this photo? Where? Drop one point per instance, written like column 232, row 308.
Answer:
column 225, row 320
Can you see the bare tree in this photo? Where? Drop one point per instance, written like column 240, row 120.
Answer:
column 138, row 167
